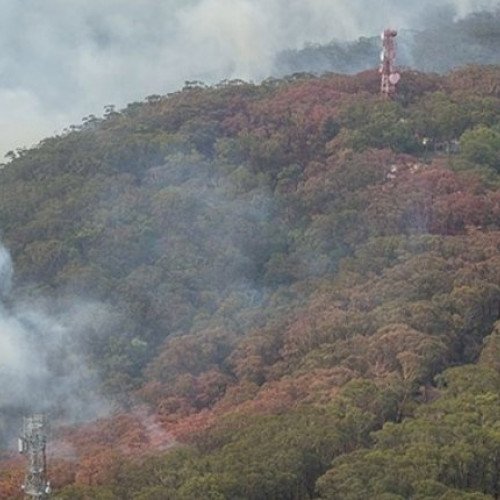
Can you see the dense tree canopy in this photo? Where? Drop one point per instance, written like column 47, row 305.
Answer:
column 302, row 291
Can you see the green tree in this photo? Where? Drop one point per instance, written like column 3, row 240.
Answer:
column 481, row 145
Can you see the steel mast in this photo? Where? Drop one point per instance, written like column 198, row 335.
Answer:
column 32, row 445
column 390, row 77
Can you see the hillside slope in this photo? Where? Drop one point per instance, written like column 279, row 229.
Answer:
column 302, row 292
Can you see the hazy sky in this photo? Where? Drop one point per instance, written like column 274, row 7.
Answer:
column 64, row 59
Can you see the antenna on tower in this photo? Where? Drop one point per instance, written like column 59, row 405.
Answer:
column 390, row 76
column 32, row 444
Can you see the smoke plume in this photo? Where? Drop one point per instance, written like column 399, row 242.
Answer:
column 41, row 368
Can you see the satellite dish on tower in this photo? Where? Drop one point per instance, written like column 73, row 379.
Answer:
column 394, row 78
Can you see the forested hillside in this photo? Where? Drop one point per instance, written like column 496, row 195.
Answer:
column 301, row 282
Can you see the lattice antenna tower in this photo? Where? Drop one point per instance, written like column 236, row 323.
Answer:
column 32, row 444
column 389, row 75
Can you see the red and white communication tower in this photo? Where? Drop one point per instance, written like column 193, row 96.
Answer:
column 390, row 77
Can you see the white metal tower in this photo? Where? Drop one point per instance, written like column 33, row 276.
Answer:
column 32, row 444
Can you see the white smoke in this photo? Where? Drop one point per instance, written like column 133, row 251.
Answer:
column 64, row 60
column 41, row 367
